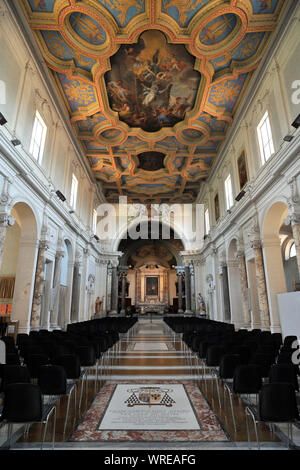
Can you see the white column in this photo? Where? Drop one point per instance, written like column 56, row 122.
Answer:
column 56, row 289
column 39, row 286
column 275, row 278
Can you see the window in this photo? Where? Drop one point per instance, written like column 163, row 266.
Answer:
column 38, row 137
column 206, row 217
column 293, row 250
column 265, row 138
column 228, row 192
column 74, row 189
column 94, row 221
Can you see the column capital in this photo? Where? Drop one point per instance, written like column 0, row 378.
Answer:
column 6, row 219
column 44, row 245
column 179, row 270
column 255, row 243
column 239, row 253
column 59, row 254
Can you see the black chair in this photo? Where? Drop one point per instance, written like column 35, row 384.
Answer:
column 34, row 362
column 23, row 404
column 9, row 344
column 212, row 362
column 264, row 361
column 87, row 358
column 14, row 374
column 13, row 359
column 276, row 404
column 52, row 380
column 71, row 365
column 228, row 364
column 247, row 380
column 243, row 351
column 286, row 373
column 291, row 342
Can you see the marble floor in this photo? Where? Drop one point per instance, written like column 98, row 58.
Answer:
column 152, row 355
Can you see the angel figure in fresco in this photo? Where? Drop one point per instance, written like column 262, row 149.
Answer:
column 123, row 6
column 39, row 4
column 183, row 7
column 265, row 4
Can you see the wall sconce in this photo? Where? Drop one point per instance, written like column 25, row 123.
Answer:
column 60, row 196
column 2, row 120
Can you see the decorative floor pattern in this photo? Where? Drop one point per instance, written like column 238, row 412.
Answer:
column 211, row 430
column 149, row 346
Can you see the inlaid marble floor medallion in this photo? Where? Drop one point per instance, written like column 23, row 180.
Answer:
column 153, row 407
column 111, row 419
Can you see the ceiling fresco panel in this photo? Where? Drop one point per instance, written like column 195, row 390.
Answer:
column 152, row 87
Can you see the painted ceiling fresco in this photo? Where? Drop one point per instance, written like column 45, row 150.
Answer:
column 152, row 86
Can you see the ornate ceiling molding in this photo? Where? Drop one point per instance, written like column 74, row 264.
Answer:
column 224, row 43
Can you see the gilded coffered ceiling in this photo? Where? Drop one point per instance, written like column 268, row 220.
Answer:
column 152, row 86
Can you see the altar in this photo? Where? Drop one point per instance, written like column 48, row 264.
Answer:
column 150, row 307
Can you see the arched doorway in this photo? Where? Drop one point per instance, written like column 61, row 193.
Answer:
column 151, row 279
column 19, row 262
column 273, row 260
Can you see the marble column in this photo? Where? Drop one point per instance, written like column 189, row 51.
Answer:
column 187, row 281
column 135, row 286
column 193, row 296
column 108, row 287
column 179, row 275
column 261, row 285
column 39, row 286
column 244, row 288
column 225, row 291
column 5, row 221
column 114, row 291
column 166, row 288
column 76, row 292
column 123, row 291
column 56, row 288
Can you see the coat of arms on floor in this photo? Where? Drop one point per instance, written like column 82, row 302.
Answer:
column 150, row 396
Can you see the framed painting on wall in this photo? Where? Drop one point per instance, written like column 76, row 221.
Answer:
column 217, row 207
column 242, row 170
column 152, row 285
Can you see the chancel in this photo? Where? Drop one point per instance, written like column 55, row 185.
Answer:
column 149, row 225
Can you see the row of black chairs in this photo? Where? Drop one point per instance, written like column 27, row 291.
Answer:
column 248, row 363
column 44, row 364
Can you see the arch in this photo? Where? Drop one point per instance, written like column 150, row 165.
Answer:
column 26, row 263
column 139, row 243
column 123, row 230
column 27, row 209
column 273, row 262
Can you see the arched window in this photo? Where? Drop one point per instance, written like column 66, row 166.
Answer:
column 292, row 250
